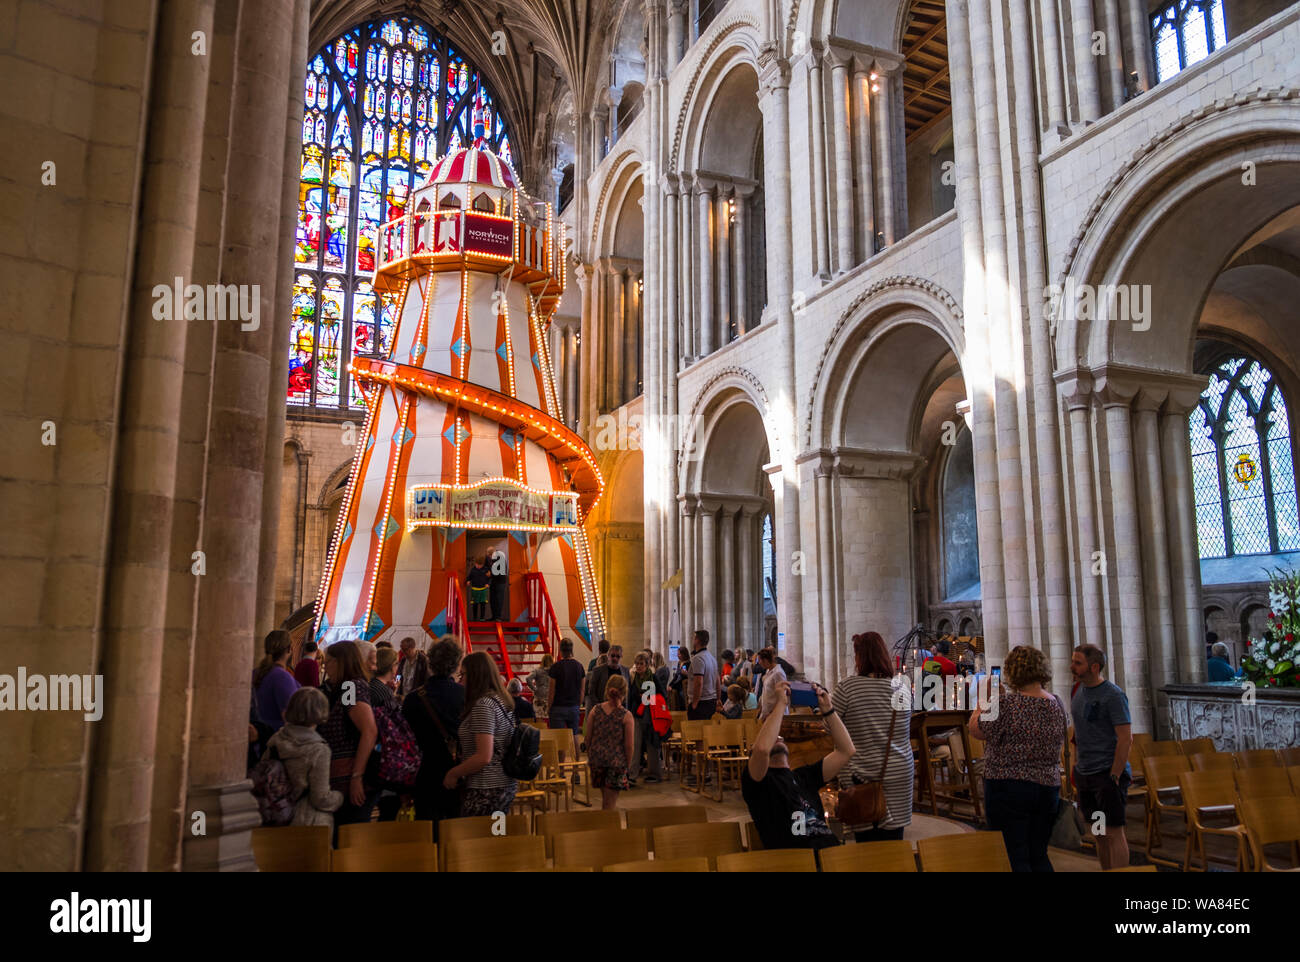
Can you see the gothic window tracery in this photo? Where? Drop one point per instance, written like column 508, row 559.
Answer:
column 1186, row 32
column 381, row 103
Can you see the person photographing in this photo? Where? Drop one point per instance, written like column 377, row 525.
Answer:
column 785, row 803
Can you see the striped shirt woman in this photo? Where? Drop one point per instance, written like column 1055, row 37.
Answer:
column 866, row 703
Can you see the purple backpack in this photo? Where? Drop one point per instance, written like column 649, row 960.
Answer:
column 399, row 757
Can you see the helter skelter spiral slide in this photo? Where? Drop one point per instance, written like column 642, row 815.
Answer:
column 464, row 447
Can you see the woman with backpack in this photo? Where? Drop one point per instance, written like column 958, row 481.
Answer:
column 350, row 731
column 610, row 734
column 485, row 731
column 306, row 758
column 393, row 732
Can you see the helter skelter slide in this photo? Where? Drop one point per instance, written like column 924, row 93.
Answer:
column 464, row 447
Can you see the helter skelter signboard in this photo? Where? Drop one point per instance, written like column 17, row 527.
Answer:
column 498, row 503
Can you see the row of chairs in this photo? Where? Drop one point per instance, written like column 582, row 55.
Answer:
column 698, row 846
column 1248, row 797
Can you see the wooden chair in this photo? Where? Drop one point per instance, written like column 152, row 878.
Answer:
column 292, row 848
column 1289, row 756
column 401, row 857
column 551, row 824
column 453, row 831
column 1210, row 796
column 1256, row 758
column 604, row 846
column 1256, row 783
column 1195, row 746
column 968, row 852
column 699, row 864
column 776, row 860
column 750, row 726
column 1160, row 750
column 385, row 833
column 722, row 753
column 1163, row 796
column 1133, row 868
column 709, row 839
column 893, row 856
column 649, row 819
column 1143, row 738
column 1212, row 762
column 550, row 777
column 517, row 853
column 749, row 713
column 690, row 752
column 1271, row 821
column 1294, row 772
column 753, row 842
column 573, row 763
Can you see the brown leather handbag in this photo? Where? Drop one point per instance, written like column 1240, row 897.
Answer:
column 864, row 804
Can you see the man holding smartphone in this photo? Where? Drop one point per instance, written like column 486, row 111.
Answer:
column 785, row 803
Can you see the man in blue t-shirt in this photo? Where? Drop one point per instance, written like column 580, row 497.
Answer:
column 1103, row 733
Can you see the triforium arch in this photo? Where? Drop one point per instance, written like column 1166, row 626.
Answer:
column 617, row 285
column 720, row 201
column 890, row 397
column 725, row 496
column 1153, row 279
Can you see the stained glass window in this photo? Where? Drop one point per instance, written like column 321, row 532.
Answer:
column 769, row 558
column 381, row 104
column 1186, row 32
column 1242, row 468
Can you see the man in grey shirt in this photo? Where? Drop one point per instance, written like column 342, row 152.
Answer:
column 1103, row 733
column 703, row 701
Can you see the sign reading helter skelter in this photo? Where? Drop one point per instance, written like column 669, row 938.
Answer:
column 464, row 442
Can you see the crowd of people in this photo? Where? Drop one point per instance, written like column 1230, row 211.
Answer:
column 325, row 718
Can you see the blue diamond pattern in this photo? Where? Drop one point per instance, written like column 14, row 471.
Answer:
column 405, row 435
column 459, row 347
column 323, row 627
column 384, row 530
column 439, row 624
column 450, row 434
column 581, row 626
column 536, row 363
column 520, row 536
column 501, row 351
column 417, row 351
column 374, row 625
column 347, row 531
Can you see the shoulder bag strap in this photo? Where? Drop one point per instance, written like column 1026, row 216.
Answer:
column 437, row 721
column 889, row 743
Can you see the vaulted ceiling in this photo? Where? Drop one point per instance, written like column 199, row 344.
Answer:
column 551, row 46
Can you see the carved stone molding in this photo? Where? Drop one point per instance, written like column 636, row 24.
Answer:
column 1221, row 712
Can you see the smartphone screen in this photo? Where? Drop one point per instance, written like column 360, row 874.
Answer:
column 996, row 671
column 802, row 693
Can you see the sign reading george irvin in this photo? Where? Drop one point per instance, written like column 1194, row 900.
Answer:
column 499, row 504
column 486, row 235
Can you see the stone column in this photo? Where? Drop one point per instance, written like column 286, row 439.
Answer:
column 826, row 592
column 242, row 365
column 1077, row 398
column 704, row 203
column 582, row 367
column 1132, row 654
column 616, row 327
column 722, row 255
column 726, row 579
column 117, row 830
column 1141, row 57
column 774, row 101
column 633, row 335
column 613, row 98
column 690, row 575
column 1087, row 86
column 1180, row 521
column 594, row 372
column 882, row 110
column 839, row 124
column 688, row 249
column 740, row 260
column 1152, row 486
column 671, row 307
column 599, row 131
column 817, row 134
column 1114, row 53
column 861, row 110
column 707, row 577
column 676, row 31
column 1053, row 66
column 748, row 633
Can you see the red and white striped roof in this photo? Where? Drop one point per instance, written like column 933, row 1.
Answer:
column 469, row 165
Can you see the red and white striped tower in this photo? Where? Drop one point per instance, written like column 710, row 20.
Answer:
column 465, row 446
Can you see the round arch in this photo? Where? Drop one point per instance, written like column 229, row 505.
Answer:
column 735, row 44
column 1187, row 183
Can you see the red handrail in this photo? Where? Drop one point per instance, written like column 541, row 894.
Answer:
column 542, row 611
column 507, row 668
column 457, row 616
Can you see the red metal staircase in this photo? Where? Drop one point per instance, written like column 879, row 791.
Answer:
column 516, row 646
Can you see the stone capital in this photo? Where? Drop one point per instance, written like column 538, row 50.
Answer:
column 1074, row 389
column 613, row 96
column 600, row 112
column 889, row 465
column 773, row 69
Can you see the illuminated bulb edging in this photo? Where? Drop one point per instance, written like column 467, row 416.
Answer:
column 390, row 484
